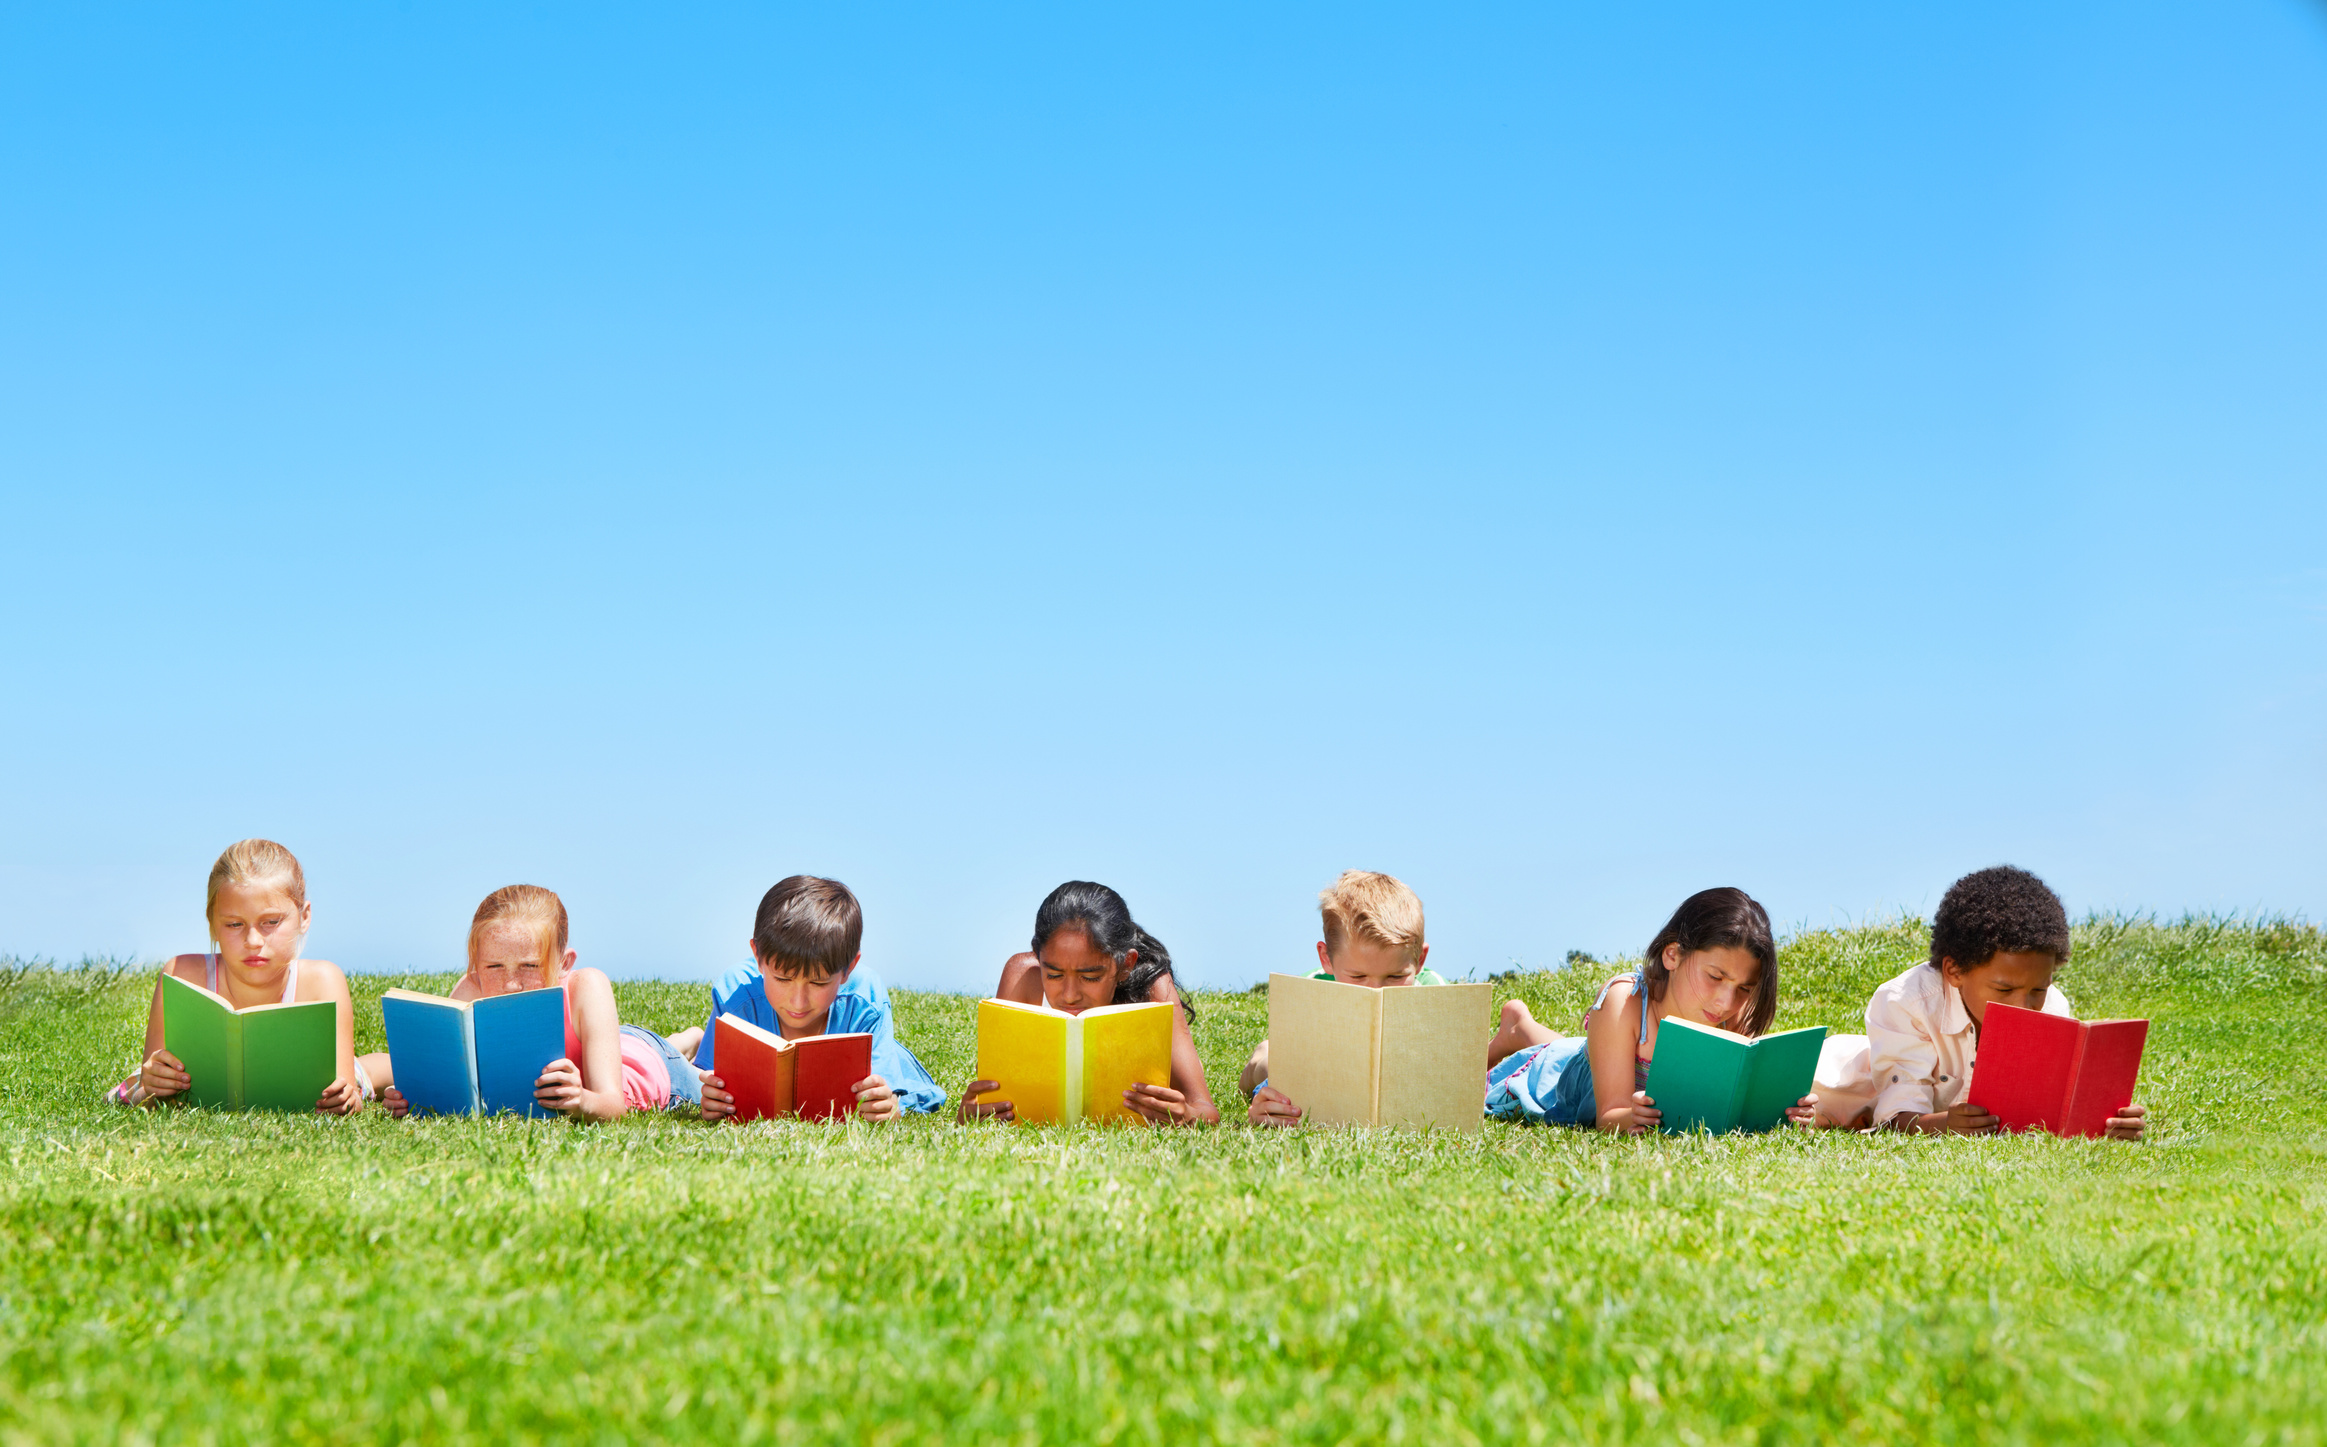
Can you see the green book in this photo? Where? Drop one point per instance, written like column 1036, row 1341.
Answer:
column 268, row 1057
column 1720, row 1081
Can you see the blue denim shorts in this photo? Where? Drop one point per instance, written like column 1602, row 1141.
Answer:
column 686, row 1085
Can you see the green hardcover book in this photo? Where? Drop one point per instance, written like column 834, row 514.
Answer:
column 268, row 1057
column 1720, row 1081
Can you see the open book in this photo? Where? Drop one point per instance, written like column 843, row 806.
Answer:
column 1408, row 1055
column 1055, row 1067
column 473, row 1057
column 770, row 1076
column 268, row 1057
column 2048, row 1072
column 1723, row 1081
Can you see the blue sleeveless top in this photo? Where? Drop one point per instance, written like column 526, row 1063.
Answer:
column 1551, row 1084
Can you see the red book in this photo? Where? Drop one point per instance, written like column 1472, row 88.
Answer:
column 2048, row 1072
column 770, row 1076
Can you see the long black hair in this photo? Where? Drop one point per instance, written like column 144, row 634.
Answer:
column 1105, row 920
column 1709, row 920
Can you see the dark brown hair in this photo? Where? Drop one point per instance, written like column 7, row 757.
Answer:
column 1712, row 919
column 1998, row 909
column 808, row 925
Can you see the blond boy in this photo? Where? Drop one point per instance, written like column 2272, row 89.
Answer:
column 1373, row 938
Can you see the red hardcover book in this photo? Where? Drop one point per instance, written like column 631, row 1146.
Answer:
column 770, row 1076
column 2048, row 1072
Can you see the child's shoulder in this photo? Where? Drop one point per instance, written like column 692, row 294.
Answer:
column 1920, row 984
column 319, row 979
column 188, row 967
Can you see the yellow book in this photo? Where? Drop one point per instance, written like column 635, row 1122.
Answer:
column 1408, row 1055
column 1055, row 1067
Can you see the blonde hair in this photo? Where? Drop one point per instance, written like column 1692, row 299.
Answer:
column 255, row 861
column 527, row 905
column 1373, row 907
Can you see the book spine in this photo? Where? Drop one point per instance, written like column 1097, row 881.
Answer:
column 469, row 1057
column 234, row 1098
column 1071, row 1107
column 1748, row 1070
column 1373, row 1113
column 2066, row 1121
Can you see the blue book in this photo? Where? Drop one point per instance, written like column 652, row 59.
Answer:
column 472, row 1057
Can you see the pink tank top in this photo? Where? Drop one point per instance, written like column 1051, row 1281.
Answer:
column 646, row 1080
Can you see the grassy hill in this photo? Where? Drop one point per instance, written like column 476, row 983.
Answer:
column 171, row 1276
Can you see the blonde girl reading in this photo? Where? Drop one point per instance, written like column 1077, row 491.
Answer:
column 1715, row 962
column 518, row 941
column 259, row 915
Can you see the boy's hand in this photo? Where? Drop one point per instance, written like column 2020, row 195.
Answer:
column 1962, row 1118
column 973, row 1108
column 874, row 1099
column 1271, row 1106
column 1644, row 1116
column 2127, row 1124
column 1804, row 1112
column 392, row 1100
column 560, row 1086
column 340, row 1098
column 163, row 1075
column 717, row 1103
column 1158, row 1104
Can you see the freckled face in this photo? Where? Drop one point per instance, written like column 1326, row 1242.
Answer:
column 511, row 958
column 1076, row 977
column 1711, row 987
column 2010, row 977
column 257, row 927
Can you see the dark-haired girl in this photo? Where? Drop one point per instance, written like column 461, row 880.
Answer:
column 1715, row 963
column 1089, row 952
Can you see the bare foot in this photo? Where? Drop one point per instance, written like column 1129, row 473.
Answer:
column 1517, row 1031
column 686, row 1041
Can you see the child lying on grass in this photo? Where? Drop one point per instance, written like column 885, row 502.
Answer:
column 1715, row 961
column 259, row 915
column 1087, row 953
column 806, row 978
column 517, row 941
column 1998, row 939
column 1373, row 938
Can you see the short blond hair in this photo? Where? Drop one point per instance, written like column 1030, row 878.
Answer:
column 527, row 906
column 1372, row 907
column 255, row 861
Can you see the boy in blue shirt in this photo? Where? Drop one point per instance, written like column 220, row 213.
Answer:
column 805, row 979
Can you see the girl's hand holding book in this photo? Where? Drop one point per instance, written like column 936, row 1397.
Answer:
column 1158, row 1104
column 1642, row 1116
column 1271, row 1106
column 973, row 1108
column 875, row 1100
column 341, row 1097
column 163, row 1075
column 2127, row 1124
column 560, row 1086
column 717, row 1103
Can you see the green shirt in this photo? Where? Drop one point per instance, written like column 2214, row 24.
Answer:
column 1426, row 976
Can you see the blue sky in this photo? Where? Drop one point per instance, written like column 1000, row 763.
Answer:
column 1565, row 457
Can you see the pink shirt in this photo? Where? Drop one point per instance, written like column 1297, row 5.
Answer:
column 646, row 1080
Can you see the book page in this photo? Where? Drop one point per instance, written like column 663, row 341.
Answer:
column 289, row 1054
column 198, row 1028
column 1024, row 1050
column 430, row 1052
column 1123, row 1046
column 2024, row 1066
column 1698, row 1077
column 1783, row 1067
column 1433, row 1057
column 1323, row 1038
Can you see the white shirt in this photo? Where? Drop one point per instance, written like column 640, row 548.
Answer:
column 1921, row 1042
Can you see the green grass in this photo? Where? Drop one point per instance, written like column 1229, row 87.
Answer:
column 172, row 1276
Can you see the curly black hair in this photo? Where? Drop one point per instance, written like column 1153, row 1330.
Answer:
column 1999, row 909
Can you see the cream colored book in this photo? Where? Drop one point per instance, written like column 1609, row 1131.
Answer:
column 1413, row 1055
column 1055, row 1067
